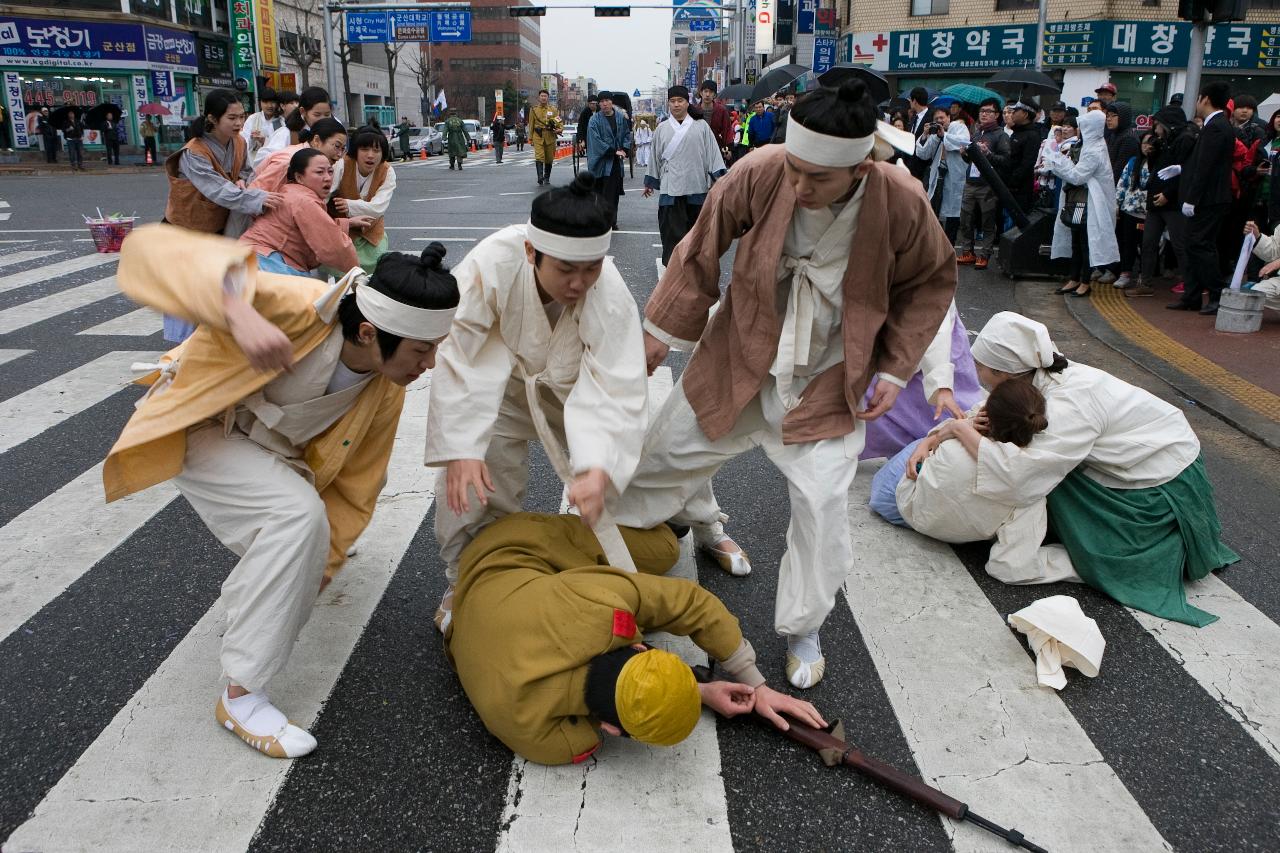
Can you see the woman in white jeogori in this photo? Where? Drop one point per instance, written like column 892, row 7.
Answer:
column 546, row 345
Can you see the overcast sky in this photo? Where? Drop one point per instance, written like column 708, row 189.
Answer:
column 620, row 53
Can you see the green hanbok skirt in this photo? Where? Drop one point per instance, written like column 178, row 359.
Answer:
column 367, row 253
column 1137, row 545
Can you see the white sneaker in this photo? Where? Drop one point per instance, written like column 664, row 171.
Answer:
column 1123, row 281
column 257, row 722
column 1107, row 277
column 805, row 662
column 709, row 537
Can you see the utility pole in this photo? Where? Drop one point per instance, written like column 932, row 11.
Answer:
column 1040, row 28
column 1195, row 62
column 331, row 58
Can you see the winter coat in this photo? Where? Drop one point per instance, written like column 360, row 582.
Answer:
column 1093, row 171
column 1122, row 143
column 1174, row 150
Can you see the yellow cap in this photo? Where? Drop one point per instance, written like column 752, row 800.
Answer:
column 657, row 698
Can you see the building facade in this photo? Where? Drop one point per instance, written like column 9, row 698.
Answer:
column 1136, row 44
column 504, row 53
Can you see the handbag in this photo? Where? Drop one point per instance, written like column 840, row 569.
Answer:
column 1075, row 206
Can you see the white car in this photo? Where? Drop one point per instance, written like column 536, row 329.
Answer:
column 419, row 138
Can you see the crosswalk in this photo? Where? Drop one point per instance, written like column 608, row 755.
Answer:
column 110, row 628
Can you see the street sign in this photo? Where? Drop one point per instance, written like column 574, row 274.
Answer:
column 702, row 25
column 636, row 93
column 367, row 27
column 431, row 25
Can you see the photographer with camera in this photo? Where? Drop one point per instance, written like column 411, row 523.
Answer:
column 941, row 142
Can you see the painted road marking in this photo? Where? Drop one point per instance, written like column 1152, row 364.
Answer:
column 22, row 257
column 52, row 271
column 932, row 633
column 446, row 198
column 47, row 307
column 203, row 783
column 30, row 413
column 144, row 321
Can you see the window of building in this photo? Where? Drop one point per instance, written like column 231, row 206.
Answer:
column 930, row 7
column 1012, row 5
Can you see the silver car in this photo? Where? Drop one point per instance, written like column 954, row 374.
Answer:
column 420, row 138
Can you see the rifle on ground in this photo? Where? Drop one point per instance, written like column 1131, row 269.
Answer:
column 831, row 746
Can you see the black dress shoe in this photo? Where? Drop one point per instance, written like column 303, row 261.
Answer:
column 1182, row 306
column 1210, row 309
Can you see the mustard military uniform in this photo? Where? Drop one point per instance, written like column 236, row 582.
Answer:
column 536, row 601
column 544, row 128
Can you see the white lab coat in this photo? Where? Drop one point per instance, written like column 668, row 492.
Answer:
column 590, row 369
column 1122, row 437
column 941, row 504
column 1093, row 170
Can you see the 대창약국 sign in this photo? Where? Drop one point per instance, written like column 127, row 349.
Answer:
column 962, row 48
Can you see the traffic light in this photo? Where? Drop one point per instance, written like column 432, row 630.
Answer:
column 527, row 11
column 613, row 11
column 1212, row 11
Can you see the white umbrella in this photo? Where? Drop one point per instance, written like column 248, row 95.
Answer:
column 1061, row 635
column 1269, row 106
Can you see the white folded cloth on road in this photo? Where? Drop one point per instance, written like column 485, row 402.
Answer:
column 1061, row 635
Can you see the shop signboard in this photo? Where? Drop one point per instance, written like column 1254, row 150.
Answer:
column 171, row 50
column 1148, row 44
column 17, row 112
column 1243, row 46
column 264, row 16
column 827, row 21
column 824, row 54
column 807, row 18
column 140, row 97
column 1070, row 43
column 71, row 44
column 242, row 50
column 162, row 85
column 869, row 49
column 765, row 10
column 213, row 59
column 963, row 48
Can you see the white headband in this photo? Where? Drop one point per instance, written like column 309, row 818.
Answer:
column 416, row 324
column 835, row 151
column 568, row 248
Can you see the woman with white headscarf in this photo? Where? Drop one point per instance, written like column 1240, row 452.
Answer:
column 1093, row 170
column 1126, row 485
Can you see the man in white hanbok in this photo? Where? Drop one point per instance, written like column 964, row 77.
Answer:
column 546, row 345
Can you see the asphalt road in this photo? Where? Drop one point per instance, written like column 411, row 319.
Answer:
column 104, row 724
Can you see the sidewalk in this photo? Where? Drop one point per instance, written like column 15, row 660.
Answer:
column 1231, row 375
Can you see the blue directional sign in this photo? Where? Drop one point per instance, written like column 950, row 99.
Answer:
column 702, row 25
column 434, row 25
column 690, row 10
column 367, row 28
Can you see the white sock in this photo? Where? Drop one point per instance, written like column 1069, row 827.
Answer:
column 805, row 646
column 256, row 714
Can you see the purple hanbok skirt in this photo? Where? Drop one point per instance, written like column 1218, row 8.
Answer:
column 911, row 416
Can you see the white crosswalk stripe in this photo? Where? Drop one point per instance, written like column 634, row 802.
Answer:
column 53, row 271
column 47, row 307
column 28, row 414
column 144, row 321
column 960, row 684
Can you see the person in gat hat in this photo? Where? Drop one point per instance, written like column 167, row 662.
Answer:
column 547, row 639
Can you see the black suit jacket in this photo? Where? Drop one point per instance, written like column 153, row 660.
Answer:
column 1207, row 177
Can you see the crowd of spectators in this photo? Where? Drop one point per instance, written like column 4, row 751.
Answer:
column 1128, row 206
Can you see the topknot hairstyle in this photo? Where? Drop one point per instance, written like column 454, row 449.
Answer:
column 422, row 282
column 575, row 210
column 846, row 111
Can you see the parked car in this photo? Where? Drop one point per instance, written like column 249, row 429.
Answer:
column 479, row 135
column 419, row 138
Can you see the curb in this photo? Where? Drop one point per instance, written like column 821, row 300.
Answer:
column 1253, row 424
column 36, row 171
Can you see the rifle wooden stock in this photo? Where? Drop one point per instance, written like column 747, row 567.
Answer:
column 904, row 783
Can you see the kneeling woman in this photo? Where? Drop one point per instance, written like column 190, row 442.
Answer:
column 300, row 235
column 276, row 422
column 364, row 187
column 1126, row 487
column 939, row 500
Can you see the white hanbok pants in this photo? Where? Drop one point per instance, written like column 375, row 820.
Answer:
column 508, row 461
column 268, row 512
column 673, row 483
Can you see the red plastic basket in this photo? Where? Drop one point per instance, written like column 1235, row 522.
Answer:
column 107, row 236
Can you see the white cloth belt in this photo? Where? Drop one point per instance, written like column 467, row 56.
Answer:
column 605, row 528
column 796, row 341
column 168, row 371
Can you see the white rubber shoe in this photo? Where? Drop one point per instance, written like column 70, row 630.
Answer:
column 709, row 537
column 805, row 662
column 257, row 722
column 444, row 613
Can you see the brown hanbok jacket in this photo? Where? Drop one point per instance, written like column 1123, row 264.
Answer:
column 898, row 285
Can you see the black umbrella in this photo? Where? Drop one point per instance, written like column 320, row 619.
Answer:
column 1023, row 81
column 876, row 84
column 97, row 116
column 59, row 117
column 776, row 79
column 736, row 92
column 895, row 105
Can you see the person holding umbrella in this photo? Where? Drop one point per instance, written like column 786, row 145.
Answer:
column 73, row 132
column 111, row 138
column 48, row 136
column 147, row 130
